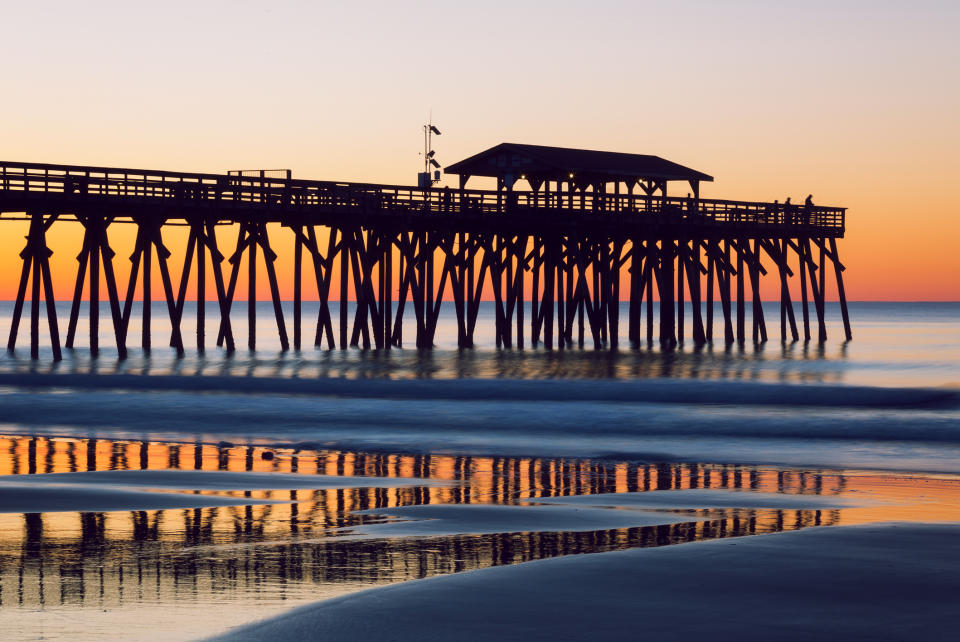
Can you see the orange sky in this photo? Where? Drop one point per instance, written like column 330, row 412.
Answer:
column 853, row 102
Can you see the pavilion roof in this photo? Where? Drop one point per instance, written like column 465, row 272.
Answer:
column 557, row 163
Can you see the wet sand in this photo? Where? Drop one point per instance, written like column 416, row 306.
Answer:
column 876, row 582
column 124, row 490
column 580, row 513
column 700, row 498
column 248, row 537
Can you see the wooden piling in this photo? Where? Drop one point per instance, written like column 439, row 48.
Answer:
column 633, row 314
column 386, row 267
column 650, row 269
column 94, row 288
column 297, row 285
column 201, row 288
column 741, row 310
column 252, row 292
column 841, row 294
column 534, row 264
column 550, row 271
column 561, row 309
column 668, row 336
column 681, row 260
column 802, row 261
column 711, row 264
column 344, row 276
column 726, row 278
column 34, row 261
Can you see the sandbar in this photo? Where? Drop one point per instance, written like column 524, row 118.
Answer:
column 478, row 519
column 703, row 498
column 117, row 490
column 876, row 582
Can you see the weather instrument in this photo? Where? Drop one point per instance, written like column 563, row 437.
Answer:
column 431, row 168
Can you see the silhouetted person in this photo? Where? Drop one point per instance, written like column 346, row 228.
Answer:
column 788, row 211
column 446, row 198
column 808, row 209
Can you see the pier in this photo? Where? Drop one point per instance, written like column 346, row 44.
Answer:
column 564, row 238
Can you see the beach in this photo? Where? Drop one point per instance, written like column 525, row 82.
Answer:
column 883, row 582
column 745, row 493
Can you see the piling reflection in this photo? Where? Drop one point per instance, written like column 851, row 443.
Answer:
column 793, row 363
column 283, row 551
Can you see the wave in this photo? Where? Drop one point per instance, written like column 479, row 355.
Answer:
column 495, row 417
column 664, row 391
column 912, row 429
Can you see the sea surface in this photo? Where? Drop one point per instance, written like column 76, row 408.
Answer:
column 895, row 344
column 861, row 431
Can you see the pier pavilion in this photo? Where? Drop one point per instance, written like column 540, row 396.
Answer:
column 577, row 169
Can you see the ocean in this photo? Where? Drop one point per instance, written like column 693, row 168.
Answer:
column 840, row 403
column 861, row 431
column 895, row 345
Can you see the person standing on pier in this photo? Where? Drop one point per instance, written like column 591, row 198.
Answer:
column 808, row 209
column 447, row 200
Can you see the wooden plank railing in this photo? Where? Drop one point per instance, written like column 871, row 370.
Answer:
column 225, row 191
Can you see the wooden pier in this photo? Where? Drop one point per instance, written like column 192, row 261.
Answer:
column 591, row 229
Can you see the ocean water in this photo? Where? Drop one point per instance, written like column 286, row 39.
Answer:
column 895, row 345
column 860, row 432
column 888, row 399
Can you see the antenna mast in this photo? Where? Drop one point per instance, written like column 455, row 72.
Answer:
column 431, row 168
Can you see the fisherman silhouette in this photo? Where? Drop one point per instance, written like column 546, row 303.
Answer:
column 447, row 201
column 769, row 210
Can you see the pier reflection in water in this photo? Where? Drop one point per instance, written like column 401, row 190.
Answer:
column 789, row 362
column 250, row 559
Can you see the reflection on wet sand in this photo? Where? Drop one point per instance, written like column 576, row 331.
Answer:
column 285, row 551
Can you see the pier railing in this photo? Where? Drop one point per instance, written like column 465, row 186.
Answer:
column 274, row 196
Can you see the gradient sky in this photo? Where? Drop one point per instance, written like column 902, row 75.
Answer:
column 856, row 102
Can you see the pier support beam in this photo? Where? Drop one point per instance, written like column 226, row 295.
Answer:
column 841, row 293
column 36, row 270
column 668, row 336
column 140, row 261
column 249, row 238
column 96, row 252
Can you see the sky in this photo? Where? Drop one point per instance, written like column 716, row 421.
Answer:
column 854, row 102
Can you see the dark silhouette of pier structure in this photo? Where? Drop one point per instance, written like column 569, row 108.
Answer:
column 590, row 229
